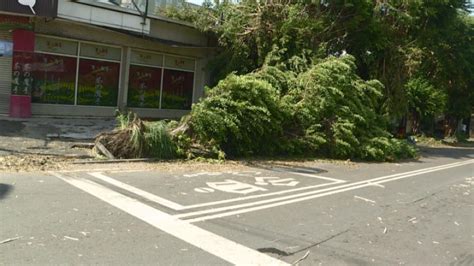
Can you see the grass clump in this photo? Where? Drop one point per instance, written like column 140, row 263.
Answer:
column 135, row 138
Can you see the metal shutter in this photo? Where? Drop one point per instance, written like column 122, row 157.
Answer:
column 5, row 76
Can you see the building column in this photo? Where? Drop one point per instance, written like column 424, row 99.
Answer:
column 22, row 68
column 124, row 77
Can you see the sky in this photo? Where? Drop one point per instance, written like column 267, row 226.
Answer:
column 197, row 2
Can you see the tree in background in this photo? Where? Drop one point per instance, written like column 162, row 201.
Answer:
column 396, row 42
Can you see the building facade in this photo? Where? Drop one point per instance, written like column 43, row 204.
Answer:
column 86, row 58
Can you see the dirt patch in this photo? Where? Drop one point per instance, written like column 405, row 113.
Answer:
column 28, row 163
column 16, row 163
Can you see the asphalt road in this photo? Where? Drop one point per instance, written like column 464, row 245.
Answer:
column 416, row 213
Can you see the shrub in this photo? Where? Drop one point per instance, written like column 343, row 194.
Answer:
column 338, row 112
column 241, row 115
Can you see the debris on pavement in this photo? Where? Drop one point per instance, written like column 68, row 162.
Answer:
column 32, row 162
column 44, row 143
column 103, row 150
column 83, row 145
column 302, row 258
column 10, row 240
column 71, row 238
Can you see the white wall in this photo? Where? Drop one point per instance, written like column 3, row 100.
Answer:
column 103, row 15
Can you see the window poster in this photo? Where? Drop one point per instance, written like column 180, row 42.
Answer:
column 22, row 79
column 144, row 87
column 98, row 83
column 177, row 89
column 54, row 79
column 6, row 48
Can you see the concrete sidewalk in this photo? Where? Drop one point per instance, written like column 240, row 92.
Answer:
column 49, row 136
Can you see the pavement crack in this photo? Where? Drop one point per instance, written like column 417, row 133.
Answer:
column 423, row 198
column 282, row 253
column 275, row 251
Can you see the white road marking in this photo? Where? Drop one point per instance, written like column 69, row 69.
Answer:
column 335, row 181
column 214, row 244
column 203, row 173
column 316, row 176
column 139, row 192
column 315, row 194
column 110, row 170
column 232, row 186
column 276, row 181
column 204, row 190
column 369, row 182
column 178, row 207
column 377, row 185
column 365, row 199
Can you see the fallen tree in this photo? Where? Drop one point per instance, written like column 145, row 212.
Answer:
column 319, row 108
column 324, row 110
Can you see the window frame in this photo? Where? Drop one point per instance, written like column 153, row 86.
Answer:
column 163, row 68
column 78, row 57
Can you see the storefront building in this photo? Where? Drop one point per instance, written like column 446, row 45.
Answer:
column 73, row 62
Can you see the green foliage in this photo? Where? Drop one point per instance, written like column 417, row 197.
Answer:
column 124, row 120
column 424, row 98
column 393, row 41
column 339, row 111
column 144, row 139
column 279, row 79
column 241, row 115
column 158, row 141
column 387, row 149
column 293, row 91
column 325, row 110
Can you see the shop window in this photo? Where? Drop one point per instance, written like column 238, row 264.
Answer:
column 177, row 89
column 144, row 87
column 54, row 79
column 98, row 82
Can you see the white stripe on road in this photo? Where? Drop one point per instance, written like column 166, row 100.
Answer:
column 218, row 246
column 315, row 176
column 314, row 194
column 139, row 192
column 371, row 182
column 179, row 207
column 260, row 196
column 111, row 170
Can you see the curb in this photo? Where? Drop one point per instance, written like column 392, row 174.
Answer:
column 115, row 161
